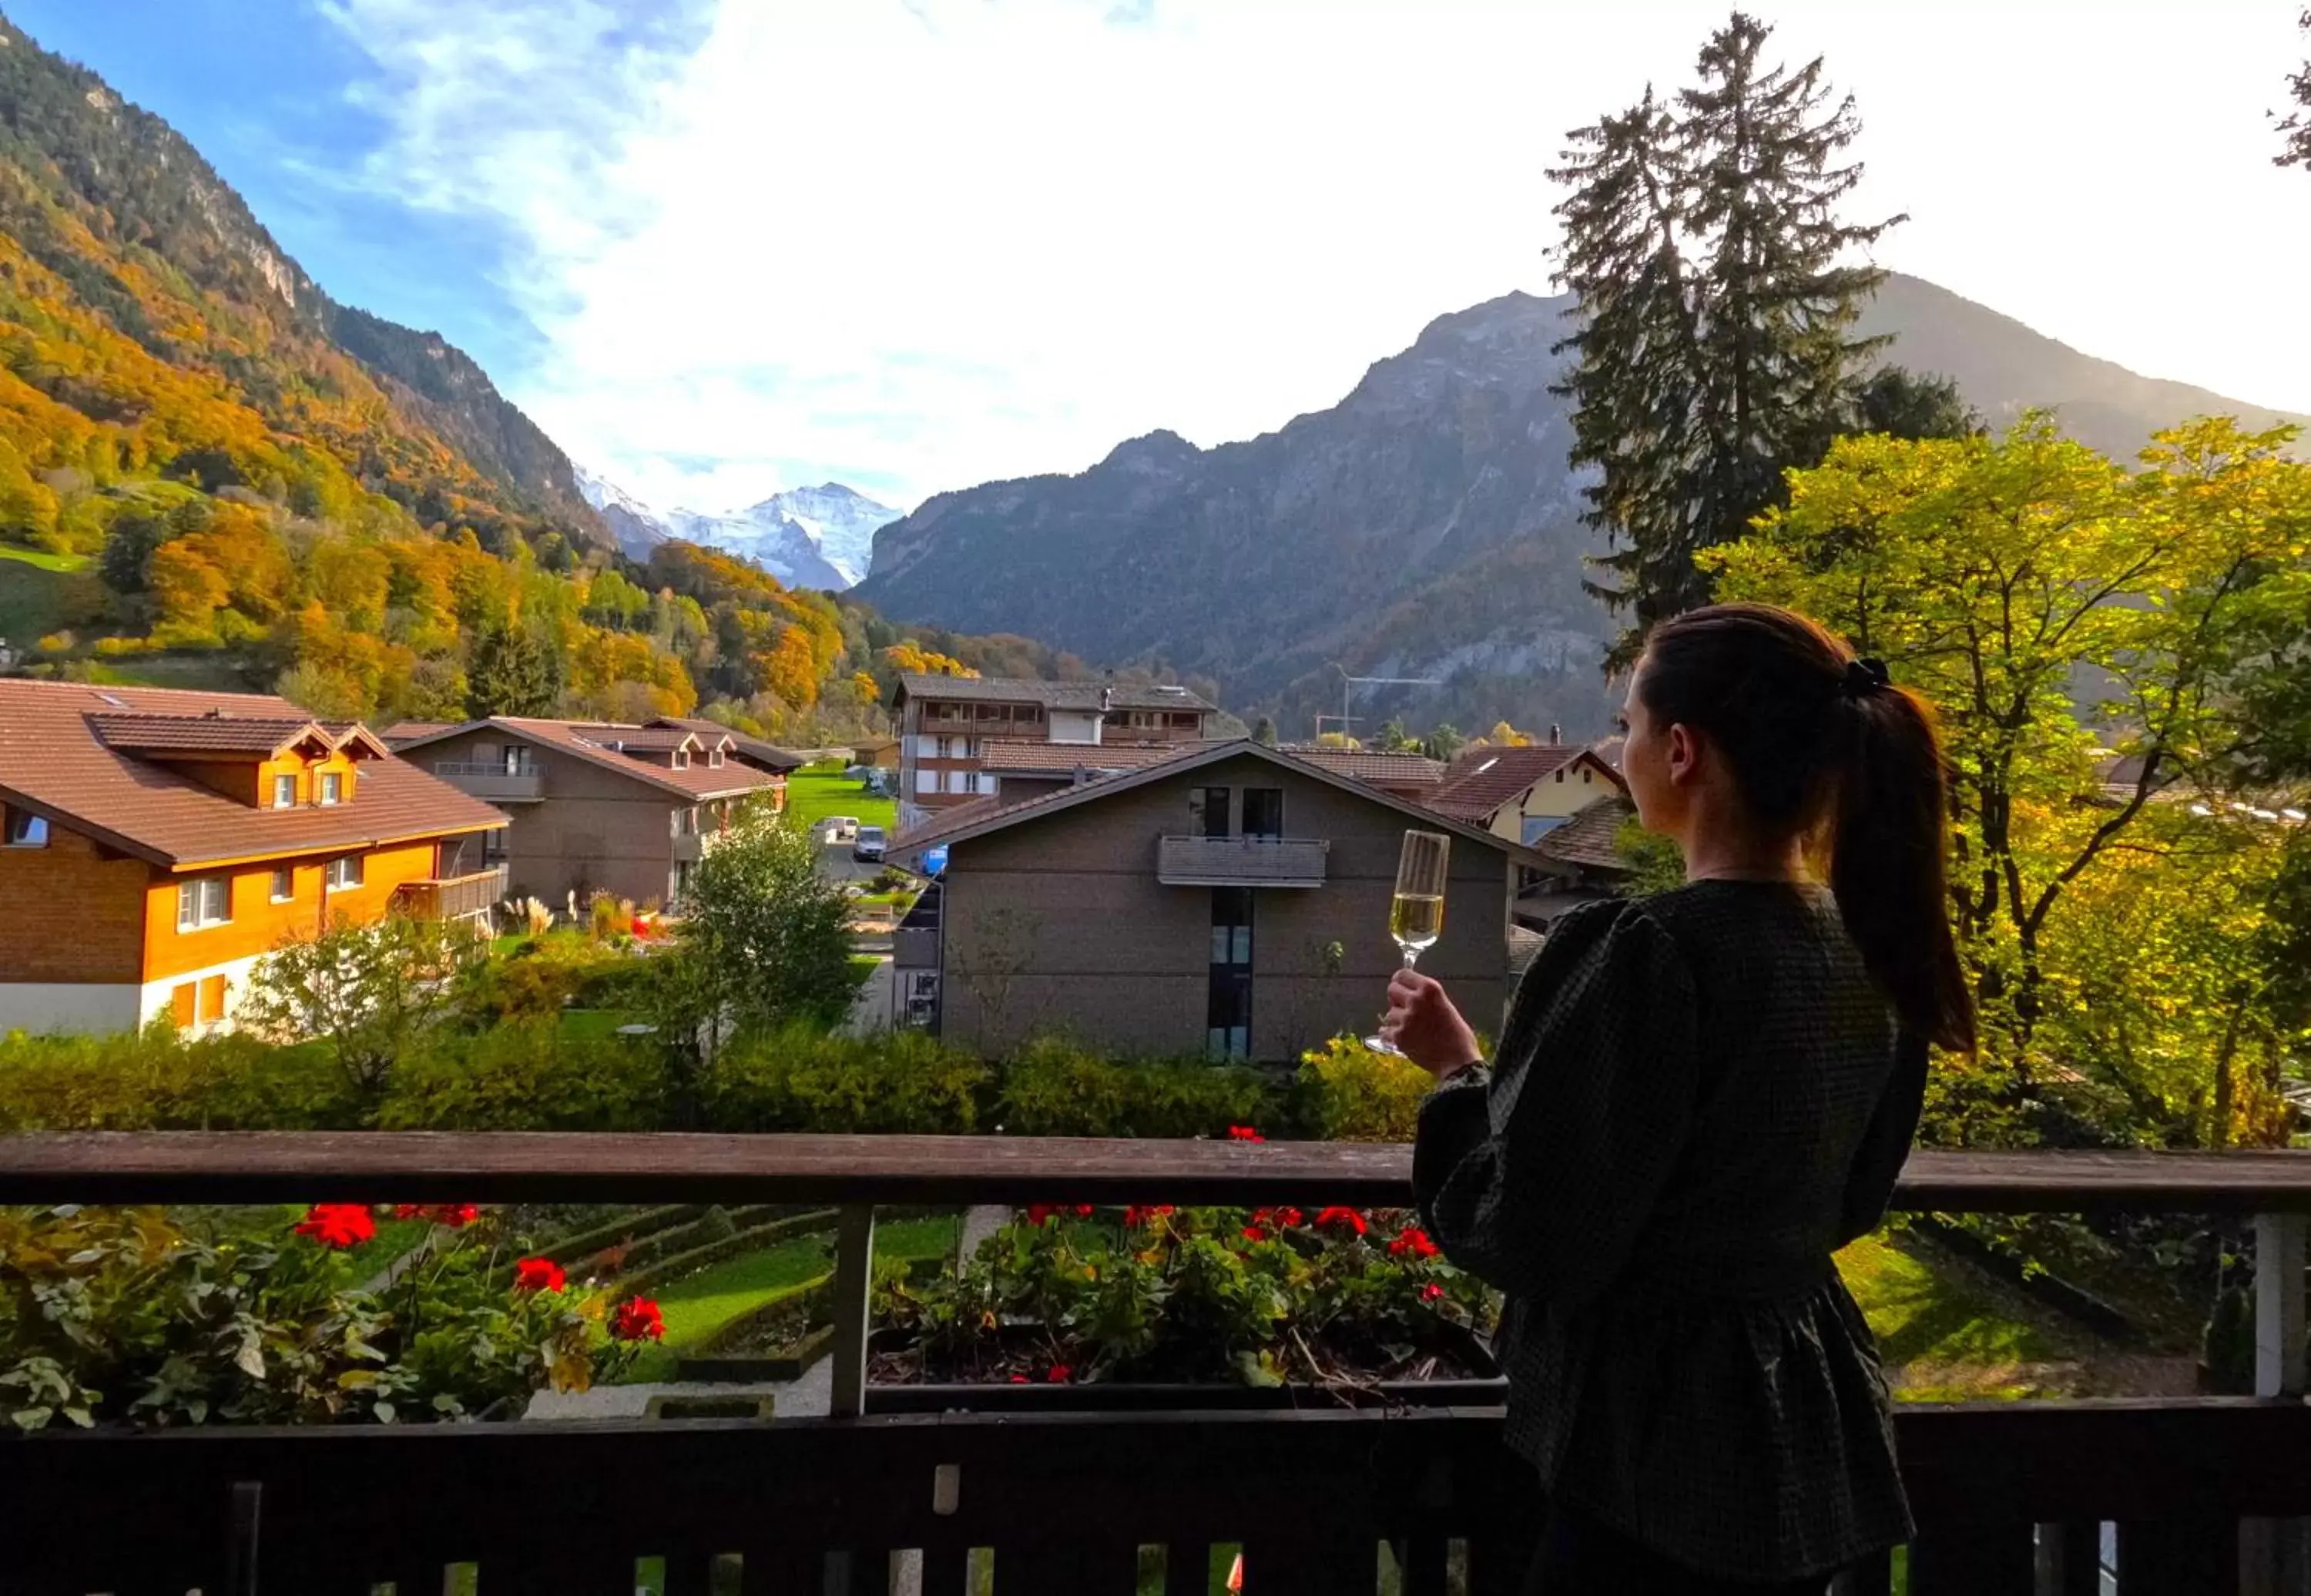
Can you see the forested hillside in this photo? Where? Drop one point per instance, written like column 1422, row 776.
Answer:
column 211, row 473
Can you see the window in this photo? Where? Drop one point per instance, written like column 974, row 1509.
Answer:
column 333, row 788
column 682, row 759
column 927, row 780
column 714, row 758
column 1227, row 1033
column 212, row 1001
column 284, row 792
column 494, row 847
column 1560, row 777
column 182, row 1000
column 981, row 782
column 26, row 829
column 344, row 872
column 207, row 901
column 520, row 760
column 1585, row 777
column 449, row 858
column 1537, row 826
column 1263, row 812
column 285, row 884
column 1208, row 811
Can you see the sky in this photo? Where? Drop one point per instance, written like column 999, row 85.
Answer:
column 717, row 248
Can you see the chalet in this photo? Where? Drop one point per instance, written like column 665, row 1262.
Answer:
column 1231, row 900
column 1522, row 793
column 159, row 843
column 596, row 806
column 946, row 723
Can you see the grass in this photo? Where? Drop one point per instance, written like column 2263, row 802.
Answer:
column 816, row 791
column 32, row 585
column 590, row 1025
column 1944, row 1334
column 696, row 1307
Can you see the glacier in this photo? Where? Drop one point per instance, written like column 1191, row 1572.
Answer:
column 820, row 537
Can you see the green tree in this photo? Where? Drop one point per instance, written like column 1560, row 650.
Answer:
column 771, row 932
column 1901, row 404
column 1263, row 732
column 513, row 670
column 1443, row 742
column 1393, row 739
column 2000, row 577
column 365, row 992
column 1716, row 306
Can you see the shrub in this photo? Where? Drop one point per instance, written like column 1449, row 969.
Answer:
column 526, row 1074
column 1053, row 1086
column 1356, row 1095
column 547, row 975
column 157, row 1079
column 368, row 992
column 800, row 1078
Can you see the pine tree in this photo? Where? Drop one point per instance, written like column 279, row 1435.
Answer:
column 2297, row 125
column 513, row 671
column 1713, row 347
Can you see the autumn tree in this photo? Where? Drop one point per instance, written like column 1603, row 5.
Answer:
column 2295, row 127
column 2002, row 577
column 513, row 670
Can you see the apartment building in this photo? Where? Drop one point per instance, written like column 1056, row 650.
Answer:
column 594, row 807
column 1232, row 901
column 157, row 844
column 948, row 723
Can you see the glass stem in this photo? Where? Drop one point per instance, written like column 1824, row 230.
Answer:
column 1411, row 957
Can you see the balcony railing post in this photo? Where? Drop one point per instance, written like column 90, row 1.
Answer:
column 854, row 1274
column 2275, row 1554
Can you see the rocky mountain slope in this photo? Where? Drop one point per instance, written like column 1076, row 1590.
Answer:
column 1426, row 526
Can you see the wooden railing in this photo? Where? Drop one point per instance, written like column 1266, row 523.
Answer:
column 452, row 897
column 2188, row 1496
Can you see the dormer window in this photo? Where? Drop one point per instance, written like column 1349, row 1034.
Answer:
column 714, row 758
column 682, row 759
column 333, row 790
column 284, row 792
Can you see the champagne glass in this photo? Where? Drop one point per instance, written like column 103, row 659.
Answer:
column 1416, row 915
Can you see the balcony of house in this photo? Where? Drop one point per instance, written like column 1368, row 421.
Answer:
column 491, row 782
column 1100, row 1489
column 1023, row 723
column 1241, row 861
column 453, row 897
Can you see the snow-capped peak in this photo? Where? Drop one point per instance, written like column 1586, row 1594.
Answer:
column 807, row 538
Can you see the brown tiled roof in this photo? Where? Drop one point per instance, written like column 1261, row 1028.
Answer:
column 206, row 734
column 754, row 748
column 589, row 741
column 1587, row 839
column 644, row 739
column 409, row 731
column 1051, row 695
column 55, row 761
column 1058, row 759
column 1483, row 779
column 1380, row 770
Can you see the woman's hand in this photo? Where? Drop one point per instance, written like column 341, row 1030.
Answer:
column 1421, row 1021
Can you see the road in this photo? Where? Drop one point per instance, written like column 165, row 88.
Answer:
column 835, row 862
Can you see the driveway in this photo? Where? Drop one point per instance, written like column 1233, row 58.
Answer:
column 835, row 863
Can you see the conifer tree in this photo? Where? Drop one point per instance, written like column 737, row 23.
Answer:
column 2296, row 126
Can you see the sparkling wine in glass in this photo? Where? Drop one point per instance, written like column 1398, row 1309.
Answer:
column 1416, row 915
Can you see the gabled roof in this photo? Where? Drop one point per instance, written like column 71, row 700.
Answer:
column 1051, row 695
column 1380, row 770
column 408, row 731
column 1587, row 839
column 590, row 741
column 60, row 758
column 983, row 816
column 1481, row 781
column 768, row 754
column 646, row 740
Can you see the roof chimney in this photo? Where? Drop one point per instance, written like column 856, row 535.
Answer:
column 1555, row 734
column 1106, row 700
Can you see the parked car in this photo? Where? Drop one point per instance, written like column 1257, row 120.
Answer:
column 868, row 849
column 841, row 828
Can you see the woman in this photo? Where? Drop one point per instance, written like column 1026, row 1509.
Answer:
column 1699, row 1097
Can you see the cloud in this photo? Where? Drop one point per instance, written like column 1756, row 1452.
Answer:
column 916, row 244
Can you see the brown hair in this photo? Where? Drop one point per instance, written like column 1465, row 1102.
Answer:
column 1821, row 744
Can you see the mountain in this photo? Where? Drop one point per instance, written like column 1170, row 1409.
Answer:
column 818, row 537
column 122, row 244
column 1426, row 526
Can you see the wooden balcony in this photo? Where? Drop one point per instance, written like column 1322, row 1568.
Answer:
column 491, row 782
column 1241, row 861
column 453, row 898
column 2136, row 1497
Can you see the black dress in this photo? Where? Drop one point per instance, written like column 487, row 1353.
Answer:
column 1699, row 1096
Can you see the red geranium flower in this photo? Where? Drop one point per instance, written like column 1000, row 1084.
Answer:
column 337, row 1224
column 408, row 1210
column 1432, row 1292
column 1060, row 1373
column 456, row 1216
column 1083, row 1210
column 1339, row 1219
column 1020, row 1380
column 1041, row 1213
column 538, row 1273
column 637, row 1319
column 1244, row 1133
column 1412, row 1242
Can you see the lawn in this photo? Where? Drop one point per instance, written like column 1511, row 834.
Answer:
column 698, row 1306
column 816, row 791
column 31, row 592
column 1945, row 1333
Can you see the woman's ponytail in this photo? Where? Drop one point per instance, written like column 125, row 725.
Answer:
column 1886, row 859
column 1822, row 744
